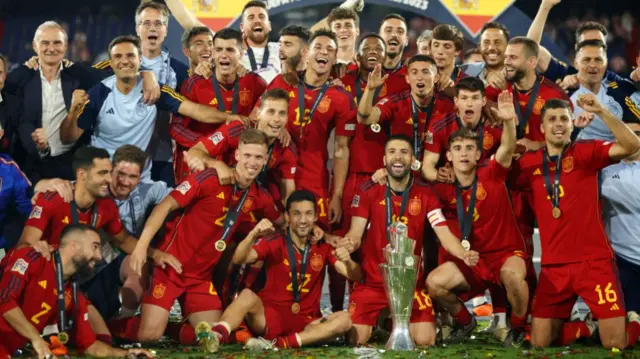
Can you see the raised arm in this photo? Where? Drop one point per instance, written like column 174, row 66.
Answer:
column 244, row 251
column 429, row 162
column 69, row 130
column 536, row 30
column 507, row 114
column 346, row 266
column 356, row 5
column 367, row 113
column 340, row 170
column 183, row 15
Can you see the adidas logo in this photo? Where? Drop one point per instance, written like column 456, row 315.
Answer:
column 43, row 284
column 111, row 111
column 220, row 195
column 614, row 307
column 537, row 172
column 616, row 176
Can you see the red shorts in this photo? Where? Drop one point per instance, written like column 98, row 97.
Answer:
column 322, row 201
column 281, row 321
column 195, row 295
column 595, row 281
column 366, row 303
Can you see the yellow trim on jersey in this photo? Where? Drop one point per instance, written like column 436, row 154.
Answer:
column 102, row 65
column 82, row 108
column 632, row 106
column 169, row 91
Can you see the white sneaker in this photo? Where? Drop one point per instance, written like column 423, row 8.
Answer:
column 633, row 317
column 259, row 344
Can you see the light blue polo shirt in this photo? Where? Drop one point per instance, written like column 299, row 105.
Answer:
column 135, row 208
column 115, row 119
column 620, row 188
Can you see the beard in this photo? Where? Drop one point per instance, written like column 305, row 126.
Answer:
column 401, row 176
column 293, row 62
column 258, row 38
column 518, row 75
column 83, row 270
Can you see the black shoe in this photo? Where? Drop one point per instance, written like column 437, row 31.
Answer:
column 462, row 333
column 515, row 339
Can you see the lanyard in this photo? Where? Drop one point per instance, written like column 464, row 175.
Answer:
column 62, row 322
column 316, row 103
column 74, row 214
column 252, row 58
column 232, row 214
column 293, row 263
column 389, row 205
column 524, row 118
column 234, row 101
column 132, row 214
column 415, row 118
column 552, row 190
column 465, row 219
column 263, row 174
column 358, row 90
column 454, row 74
column 479, row 130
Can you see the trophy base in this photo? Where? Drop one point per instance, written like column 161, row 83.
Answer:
column 400, row 338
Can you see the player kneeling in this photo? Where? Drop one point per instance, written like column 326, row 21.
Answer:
column 286, row 313
column 480, row 200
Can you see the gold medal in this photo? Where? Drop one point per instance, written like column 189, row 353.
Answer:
column 63, row 337
column 466, row 245
column 375, row 128
column 295, row 308
column 415, row 165
column 221, row 245
column 556, row 212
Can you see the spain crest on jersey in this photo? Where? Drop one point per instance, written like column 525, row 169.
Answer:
column 158, row 291
column 487, row 142
column 325, row 104
column 316, row 262
column 567, row 164
column 245, row 97
column 415, row 205
column 248, row 203
column 481, row 193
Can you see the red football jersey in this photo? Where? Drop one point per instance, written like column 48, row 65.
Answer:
column 578, row 235
column 437, row 138
column 282, row 162
column 396, row 110
column 423, row 207
column 493, row 213
column 337, row 109
column 51, row 214
column 278, row 288
column 191, row 239
column 548, row 90
column 29, row 282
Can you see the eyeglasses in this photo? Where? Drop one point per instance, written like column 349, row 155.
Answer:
column 156, row 24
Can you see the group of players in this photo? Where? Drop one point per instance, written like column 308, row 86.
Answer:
column 467, row 161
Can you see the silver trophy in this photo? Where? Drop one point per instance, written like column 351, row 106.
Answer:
column 399, row 273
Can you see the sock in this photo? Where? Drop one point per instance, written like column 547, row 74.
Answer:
column 290, row 341
column 125, row 328
column 518, row 322
column 502, row 318
column 633, row 331
column 463, row 317
column 183, row 333
column 572, row 331
column 222, row 328
column 105, row 338
column 478, row 301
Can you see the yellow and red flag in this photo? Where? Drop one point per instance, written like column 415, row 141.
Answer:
column 216, row 14
column 472, row 14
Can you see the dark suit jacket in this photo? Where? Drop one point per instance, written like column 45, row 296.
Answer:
column 25, row 84
column 9, row 114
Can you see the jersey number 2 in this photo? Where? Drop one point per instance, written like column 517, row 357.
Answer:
column 45, row 309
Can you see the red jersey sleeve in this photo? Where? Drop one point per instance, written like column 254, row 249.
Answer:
column 25, row 264
column 193, row 187
column 331, row 258
column 495, row 170
column 223, row 140
column 362, row 200
column 287, row 167
column 386, row 107
column 267, row 205
column 259, row 87
column 434, row 140
column 593, row 154
column 492, row 93
column 113, row 225
column 434, row 209
column 44, row 209
column 346, row 109
column 264, row 245
column 180, row 132
column 84, row 335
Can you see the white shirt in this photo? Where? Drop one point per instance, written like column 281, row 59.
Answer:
column 54, row 112
column 273, row 64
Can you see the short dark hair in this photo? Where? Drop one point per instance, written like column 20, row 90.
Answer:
column 554, row 104
column 229, row 34
column 323, row 32
column 131, row 39
column 162, row 9
column 298, row 31
column 531, row 48
column 252, row 136
column 421, row 58
column 498, row 26
column 399, row 137
column 370, row 35
column 341, row 13
column 274, row 94
column 72, row 229
column 465, row 134
column 446, row 32
column 590, row 25
column 472, row 51
column 300, row 195
column 394, row 15
column 594, row 43
column 131, row 154
column 84, row 156
column 187, row 35
column 254, row 3
column 471, row 84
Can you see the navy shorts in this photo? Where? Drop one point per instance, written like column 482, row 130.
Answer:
column 103, row 290
column 629, row 278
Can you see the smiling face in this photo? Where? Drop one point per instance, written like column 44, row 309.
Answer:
column 346, row 31
column 292, row 50
column 124, row 178
column 226, row 54
column 97, row 179
column 255, row 24
column 493, row 44
column 272, row 117
column 200, row 49
column 394, row 33
column 371, row 53
column 469, row 105
column 301, row 217
column 50, row 45
column 398, row 158
column 517, row 64
column 86, row 253
column 557, row 126
column 322, row 55
column 251, row 159
column 421, row 77
column 125, row 60
column 464, row 154
column 152, row 29
column 591, row 62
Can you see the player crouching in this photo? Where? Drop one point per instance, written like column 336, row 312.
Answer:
column 286, row 313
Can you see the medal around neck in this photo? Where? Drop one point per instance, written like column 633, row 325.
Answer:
column 375, row 128
column 221, row 245
column 465, row 244
column 556, row 212
column 416, row 165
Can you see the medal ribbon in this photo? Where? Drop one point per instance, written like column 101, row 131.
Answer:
column 552, row 190
column 316, row 103
column 234, row 100
column 415, row 114
column 74, row 213
column 358, row 90
column 262, row 177
column 293, row 263
column 389, row 205
column 523, row 119
column 479, row 130
column 465, row 219
column 252, row 58
column 132, row 213
column 232, row 214
column 62, row 320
